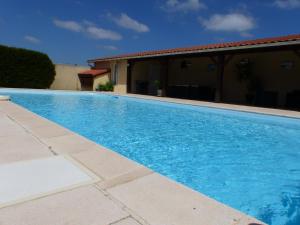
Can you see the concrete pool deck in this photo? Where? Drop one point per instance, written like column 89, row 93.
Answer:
column 126, row 192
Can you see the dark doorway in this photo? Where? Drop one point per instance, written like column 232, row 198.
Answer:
column 86, row 82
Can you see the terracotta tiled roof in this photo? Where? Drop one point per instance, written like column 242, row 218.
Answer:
column 227, row 46
column 94, row 72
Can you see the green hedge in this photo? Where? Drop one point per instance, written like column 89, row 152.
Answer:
column 22, row 68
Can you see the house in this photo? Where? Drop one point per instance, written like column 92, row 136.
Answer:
column 90, row 79
column 263, row 72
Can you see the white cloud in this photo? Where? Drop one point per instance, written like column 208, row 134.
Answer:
column 32, row 39
column 127, row 22
column 88, row 23
column 100, row 33
column 68, row 25
column 89, row 28
column 108, row 47
column 287, row 4
column 232, row 22
column 183, row 5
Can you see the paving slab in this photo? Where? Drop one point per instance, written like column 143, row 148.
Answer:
column 30, row 121
column 106, row 163
column 127, row 221
column 21, row 147
column 25, row 180
column 13, row 109
column 49, row 130
column 9, row 127
column 161, row 201
column 81, row 206
column 124, row 178
column 67, row 144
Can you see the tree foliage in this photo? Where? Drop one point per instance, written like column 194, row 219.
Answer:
column 22, row 68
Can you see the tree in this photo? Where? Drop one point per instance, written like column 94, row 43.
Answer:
column 22, row 68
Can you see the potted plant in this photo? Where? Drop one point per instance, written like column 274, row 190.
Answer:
column 108, row 86
column 158, row 87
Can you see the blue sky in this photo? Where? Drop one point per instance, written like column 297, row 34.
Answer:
column 72, row 31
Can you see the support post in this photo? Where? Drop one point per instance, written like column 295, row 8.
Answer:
column 129, row 76
column 165, row 75
column 221, row 61
column 220, row 78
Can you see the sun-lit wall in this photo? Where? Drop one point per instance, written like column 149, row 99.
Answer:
column 66, row 77
column 102, row 79
column 121, row 78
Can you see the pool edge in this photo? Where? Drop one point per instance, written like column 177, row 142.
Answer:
column 213, row 105
column 223, row 106
column 131, row 175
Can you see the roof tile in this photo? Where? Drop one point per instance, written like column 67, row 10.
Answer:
column 94, row 72
column 261, row 41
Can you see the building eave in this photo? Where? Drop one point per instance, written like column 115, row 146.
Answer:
column 185, row 51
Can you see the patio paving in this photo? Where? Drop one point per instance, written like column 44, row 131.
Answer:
column 126, row 192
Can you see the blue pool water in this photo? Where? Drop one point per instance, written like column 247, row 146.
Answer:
column 248, row 161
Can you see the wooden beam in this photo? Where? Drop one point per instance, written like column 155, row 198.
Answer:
column 165, row 75
column 129, row 76
column 221, row 61
column 220, row 78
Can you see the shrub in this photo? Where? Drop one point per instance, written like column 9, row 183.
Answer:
column 22, row 68
column 106, row 87
column 157, row 84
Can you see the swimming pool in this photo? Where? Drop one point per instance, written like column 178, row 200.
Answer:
column 248, row 161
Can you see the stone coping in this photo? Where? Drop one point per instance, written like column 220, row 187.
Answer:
column 226, row 106
column 127, row 193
